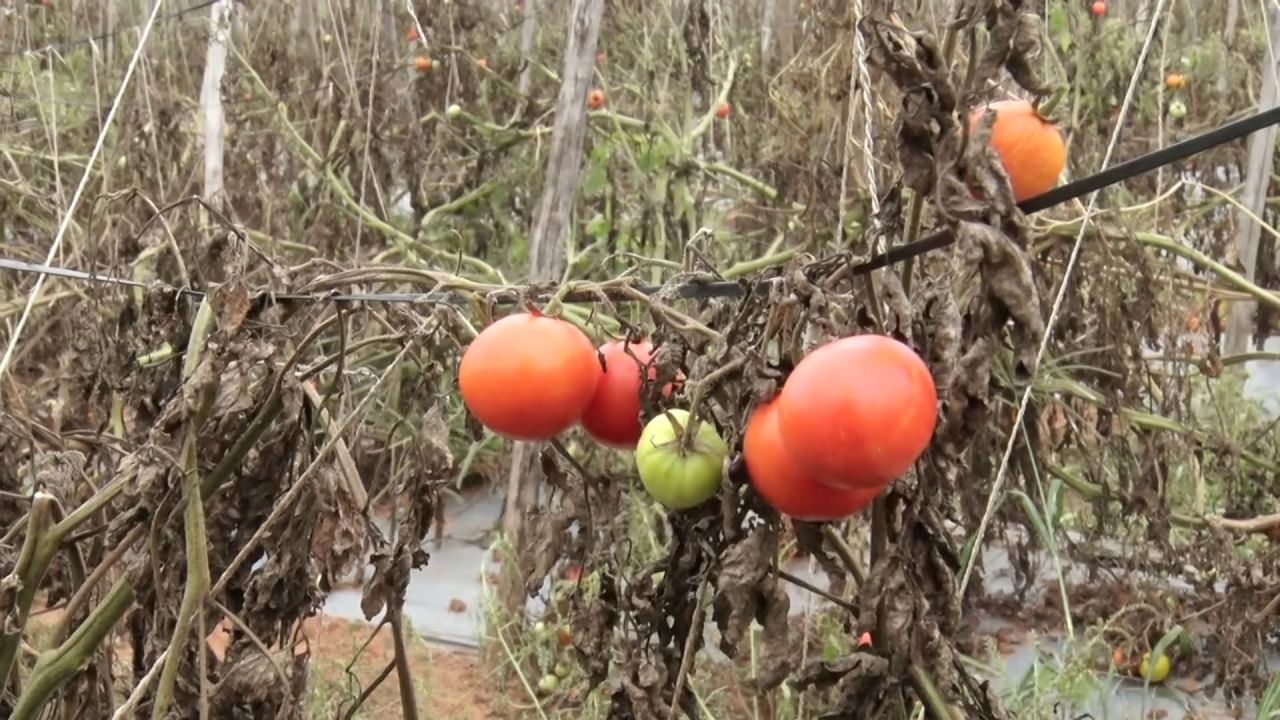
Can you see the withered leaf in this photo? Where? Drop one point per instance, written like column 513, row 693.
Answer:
column 748, row 589
column 231, row 303
column 825, row 673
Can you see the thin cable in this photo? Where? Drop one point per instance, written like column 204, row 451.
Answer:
column 1057, row 305
column 84, row 182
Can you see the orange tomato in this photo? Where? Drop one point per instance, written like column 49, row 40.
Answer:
column 528, row 376
column 1099, row 8
column 613, row 416
column 722, row 112
column 595, row 99
column 858, row 411
column 422, row 63
column 483, row 63
column 1175, row 81
column 784, row 485
column 1030, row 148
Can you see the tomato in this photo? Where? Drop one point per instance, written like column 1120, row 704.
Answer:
column 679, row 478
column 1154, row 672
column 613, row 417
column 858, row 411
column 1099, row 8
column 722, row 111
column 528, row 376
column 595, row 99
column 786, row 487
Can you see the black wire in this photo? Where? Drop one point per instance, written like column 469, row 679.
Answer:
column 1118, row 173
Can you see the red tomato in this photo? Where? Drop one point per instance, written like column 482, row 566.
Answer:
column 613, row 417
column 528, row 376
column 787, row 488
column 858, row 411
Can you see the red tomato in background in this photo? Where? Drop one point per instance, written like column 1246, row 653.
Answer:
column 528, row 376
column 784, row 485
column 613, row 416
column 858, row 411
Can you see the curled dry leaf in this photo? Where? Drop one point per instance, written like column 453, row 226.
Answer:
column 251, row 686
column 747, row 589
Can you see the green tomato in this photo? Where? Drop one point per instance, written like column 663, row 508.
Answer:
column 562, row 670
column 548, row 684
column 678, row 478
column 1177, row 109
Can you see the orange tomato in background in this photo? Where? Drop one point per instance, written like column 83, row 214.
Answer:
column 1030, row 147
column 528, row 376
column 784, row 485
column 857, row 412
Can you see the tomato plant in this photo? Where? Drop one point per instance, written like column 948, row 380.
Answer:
column 858, row 411
column 784, row 485
column 677, row 477
column 613, row 416
column 528, row 376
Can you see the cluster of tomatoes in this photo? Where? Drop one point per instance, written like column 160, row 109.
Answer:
column 853, row 415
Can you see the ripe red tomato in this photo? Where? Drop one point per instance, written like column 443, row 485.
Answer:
column 613, row 416
column 528, row 376
column 1099, row 8
column 722, row 111
column 858, row 411
column 784, row 485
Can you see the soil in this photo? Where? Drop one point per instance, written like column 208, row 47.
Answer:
column 451, row 685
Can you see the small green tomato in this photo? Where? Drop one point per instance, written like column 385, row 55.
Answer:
column 548, row 684
column 680, row 479
column 453, row 111
column 1177, row 109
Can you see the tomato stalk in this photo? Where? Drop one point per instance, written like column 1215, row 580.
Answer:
column 699, row 391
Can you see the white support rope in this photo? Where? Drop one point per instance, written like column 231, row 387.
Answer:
column 84, row 182
column 859, row 83
column 997, row 486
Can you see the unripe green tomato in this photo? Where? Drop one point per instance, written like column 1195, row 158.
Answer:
column 548, row 684
column 680, row 479
column 1177, row 109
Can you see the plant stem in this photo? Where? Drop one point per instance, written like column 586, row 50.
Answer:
column 28, row 571
column 690, row 646
column 404, row 677
column 936, row 705
column 844, row 552
column 196, row 538
column 55, row 667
